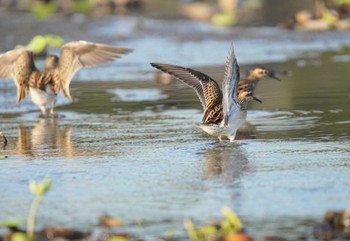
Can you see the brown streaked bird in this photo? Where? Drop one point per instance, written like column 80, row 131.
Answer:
column 43, row 86
column 249, row 83
column 224, row 112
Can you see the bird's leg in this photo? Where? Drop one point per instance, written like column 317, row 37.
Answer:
column 231, row 138
column 52, row 109
column 220, row 138
column 43, row 110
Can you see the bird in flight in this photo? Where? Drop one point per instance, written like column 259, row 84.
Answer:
column 224, row 110
column 43, row 86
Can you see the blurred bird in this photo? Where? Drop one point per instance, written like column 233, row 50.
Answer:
column 249, row 83
column 224, row 111
column 43, row 87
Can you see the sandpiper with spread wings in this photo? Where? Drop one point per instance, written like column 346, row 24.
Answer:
column 224, row 110
column 43, row 86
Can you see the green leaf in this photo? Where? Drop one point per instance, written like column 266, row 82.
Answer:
column 208, row 230
column 224, row 19
column 191, row 230
column 40, row 188
column 53, row 40
column 232, row 222
column 340, row 2
column 118, row 238
column 81, row 6
column 328, row 17
column 37, row 44
column 12, row 222
column 42, row 10
column 19, row 236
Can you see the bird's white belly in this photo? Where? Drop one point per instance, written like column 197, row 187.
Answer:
column 41, row 97
column 235, row 121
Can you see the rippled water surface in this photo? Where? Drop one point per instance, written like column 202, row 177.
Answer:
column 129, row 147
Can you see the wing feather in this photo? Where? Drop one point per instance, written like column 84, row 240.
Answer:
column 78, row 54
column 207, row 89
column 17, row 64
column 230, row 84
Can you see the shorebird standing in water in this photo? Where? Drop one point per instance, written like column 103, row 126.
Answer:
column 43, row 87
column 224, row 110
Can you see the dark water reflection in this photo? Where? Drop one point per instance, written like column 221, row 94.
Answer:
column 45, row 138
column 134, row 155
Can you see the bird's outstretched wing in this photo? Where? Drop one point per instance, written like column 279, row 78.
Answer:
column 17, row 64
column 230, row 84
column 77, row 54
column 207, row 89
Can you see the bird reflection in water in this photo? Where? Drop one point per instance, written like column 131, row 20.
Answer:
column 45, row 138
column 4, row 140
column 228, row 161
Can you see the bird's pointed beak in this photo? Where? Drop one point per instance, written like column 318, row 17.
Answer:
column 256, row 99
column 272, row 75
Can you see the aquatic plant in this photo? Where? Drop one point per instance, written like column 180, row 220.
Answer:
column 230, row 228
column 38, row 189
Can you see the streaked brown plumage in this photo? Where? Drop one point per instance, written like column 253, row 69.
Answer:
column 207, row 89
column 19, row 65
column 209, row 92
column 222, row 112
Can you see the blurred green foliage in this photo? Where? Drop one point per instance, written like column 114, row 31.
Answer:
column 81, row 6
column 43, row 10
column 230, row 224
column 40, row 43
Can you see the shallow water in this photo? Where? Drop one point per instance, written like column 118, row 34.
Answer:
column 131, row 148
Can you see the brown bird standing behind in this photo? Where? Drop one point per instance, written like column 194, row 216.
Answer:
column 43, row 87
column 249, row 83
